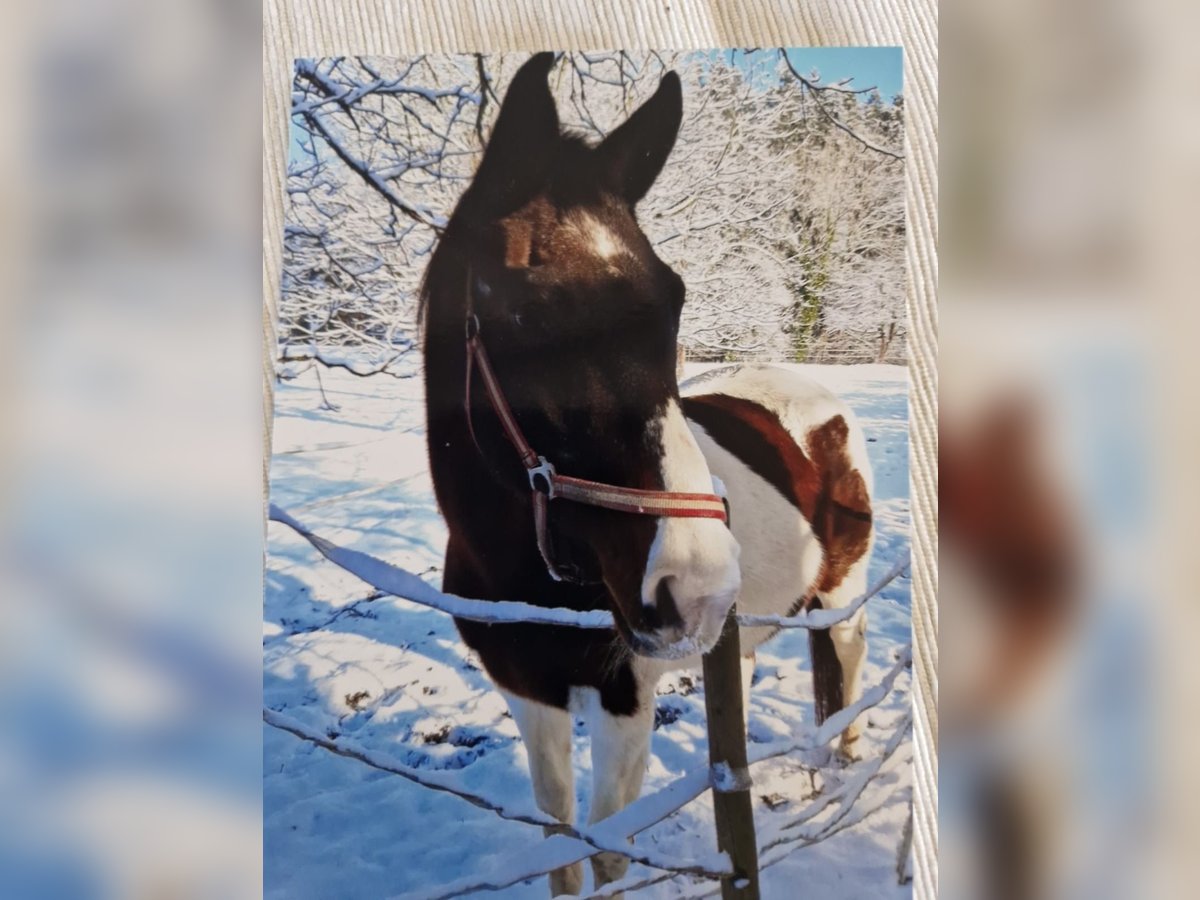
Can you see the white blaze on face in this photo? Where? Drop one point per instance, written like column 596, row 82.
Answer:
column 699, row 557
column 599, row 238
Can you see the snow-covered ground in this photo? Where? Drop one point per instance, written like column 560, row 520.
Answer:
column 395, row 678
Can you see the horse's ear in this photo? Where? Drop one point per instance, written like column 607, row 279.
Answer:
column 522, row 145
column 633, row 155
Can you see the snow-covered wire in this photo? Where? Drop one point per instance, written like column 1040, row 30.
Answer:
column 630, row 883
column 438, row 781
column 859, row 816
column 571, row 845
column 400, row 583
column 666, row 801
column 848, row 814
column 644, row 812
column 613, row 833
column 404, row 584
column 840, row 720
column 609, row 836
column 848, row 794
column 824, row 618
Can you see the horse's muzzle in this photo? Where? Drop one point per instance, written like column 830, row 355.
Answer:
column 678, row 641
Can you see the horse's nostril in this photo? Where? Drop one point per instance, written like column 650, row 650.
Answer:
column 664, row 604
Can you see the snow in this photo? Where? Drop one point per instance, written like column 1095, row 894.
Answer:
column 390, row 678
column 727, row 780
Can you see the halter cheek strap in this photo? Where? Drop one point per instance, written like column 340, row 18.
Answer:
column 546, row 484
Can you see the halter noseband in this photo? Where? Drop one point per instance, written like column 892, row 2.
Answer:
column 544, row 481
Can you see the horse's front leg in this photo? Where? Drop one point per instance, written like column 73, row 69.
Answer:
column 620, row 752
column 546, row 732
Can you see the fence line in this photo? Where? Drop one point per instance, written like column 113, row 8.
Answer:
column 611, row 834
column 850, row 790
column 836, row 823
column 615, row 834
column 407, row 586
column 824, row 618
column 838, row 722
column 401, row 583
column 606, row 836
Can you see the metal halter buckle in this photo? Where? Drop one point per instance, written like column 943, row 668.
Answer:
column 544, row 471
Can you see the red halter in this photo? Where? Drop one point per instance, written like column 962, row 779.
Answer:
column 546, row 484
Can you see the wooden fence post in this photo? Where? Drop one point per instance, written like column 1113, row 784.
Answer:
column 732, row 804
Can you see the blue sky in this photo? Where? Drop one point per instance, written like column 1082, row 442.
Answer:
column 881, row 67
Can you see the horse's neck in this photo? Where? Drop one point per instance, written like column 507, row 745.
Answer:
column 485, row 517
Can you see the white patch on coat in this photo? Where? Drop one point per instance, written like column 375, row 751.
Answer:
column 781, row 556
column 547, row 732
column 801, row 403
column 698, row 556
column 620, row 755
column 599, row 238
column 620, row 752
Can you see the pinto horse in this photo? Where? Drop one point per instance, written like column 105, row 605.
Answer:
column 550, row 331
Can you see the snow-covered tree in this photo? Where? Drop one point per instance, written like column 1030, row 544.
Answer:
column 781, row 205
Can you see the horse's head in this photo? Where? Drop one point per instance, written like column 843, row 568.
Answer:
column 580, row 319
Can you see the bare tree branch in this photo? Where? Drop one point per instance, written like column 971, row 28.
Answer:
column 816, row 89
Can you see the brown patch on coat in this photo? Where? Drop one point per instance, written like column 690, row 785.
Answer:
column 525, row 233
column 562, row 243
column 822, row 483
column 518, row 242
column 754, row 434
column 843, row 518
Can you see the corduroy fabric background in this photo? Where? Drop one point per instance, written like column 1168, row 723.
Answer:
column 316, row 28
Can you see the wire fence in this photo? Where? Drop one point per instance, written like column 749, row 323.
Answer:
column 572, row 844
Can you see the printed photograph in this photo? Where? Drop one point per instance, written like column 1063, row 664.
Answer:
column 588, row 564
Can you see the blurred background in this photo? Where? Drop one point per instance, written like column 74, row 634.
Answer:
column 131, row 451
column 131, row 518
column 1067, row 449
